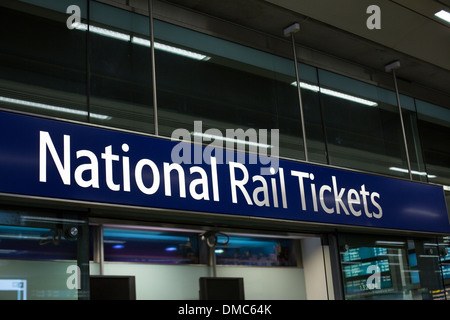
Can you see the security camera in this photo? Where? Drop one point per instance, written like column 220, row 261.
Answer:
column 71, row 233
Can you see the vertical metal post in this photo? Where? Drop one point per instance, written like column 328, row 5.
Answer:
column 83, row 261
column 101, row 250
column 210, row 239
column 336, row 267
column 291, row 30
column 213, row 260
column 391, row 67
column 152, row 52
column 88, row 58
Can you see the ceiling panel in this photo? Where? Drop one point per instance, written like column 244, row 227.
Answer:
column 338, row 28
column 407, row 26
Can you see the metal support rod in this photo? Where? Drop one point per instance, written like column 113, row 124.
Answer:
column 88, row 66
column 212, row 255
column 152, row 52
column 302, row 118
column 402, row 124
column 101, row 250
column 83, row 261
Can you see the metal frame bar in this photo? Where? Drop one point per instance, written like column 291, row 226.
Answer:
column 100, row 249
column 152, row 56
column 290, row 31
column 391, row 67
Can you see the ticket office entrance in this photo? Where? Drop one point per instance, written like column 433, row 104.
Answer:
column 294, row 266
column 168, row 262
column 51, row 254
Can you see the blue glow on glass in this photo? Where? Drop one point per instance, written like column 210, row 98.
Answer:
column 141, row 235
column 171, row 249
column 118, row 246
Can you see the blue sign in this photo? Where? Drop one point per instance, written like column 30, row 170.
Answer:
column 56, row 159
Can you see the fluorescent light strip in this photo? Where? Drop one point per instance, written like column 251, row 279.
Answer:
column 140, row 41
column 307, row 86
column 53, row 108
column 390, row 243
column 181, row 52
column 102, row 31
column 419, row 173
column 226, row 139
column 79, row 26
column 170, row 49
column 444, row 15
column 336, row 94
column 348, row 97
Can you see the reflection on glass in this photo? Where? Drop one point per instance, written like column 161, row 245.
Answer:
column 38, row 257
column 444, row 252
column 446, row 263
column 336, row 94
column 362, row 124
column 36, row 243
column 434, row 129
column 13, row 289
column 120, row 83
column 43, row 64
column 254, row 251
column 230, row 86
column 150, row 246
column 376, row 268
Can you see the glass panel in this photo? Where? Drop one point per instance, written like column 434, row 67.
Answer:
column 120, row 68
column 42, row 65
column 255, row 251
column 35, row 243
column 363, row 124
column 444, row 253
column 228, row 86
column 390, row 268
column 434, row 129
column 40, row 255
column 414, row 141
column 150, row 246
